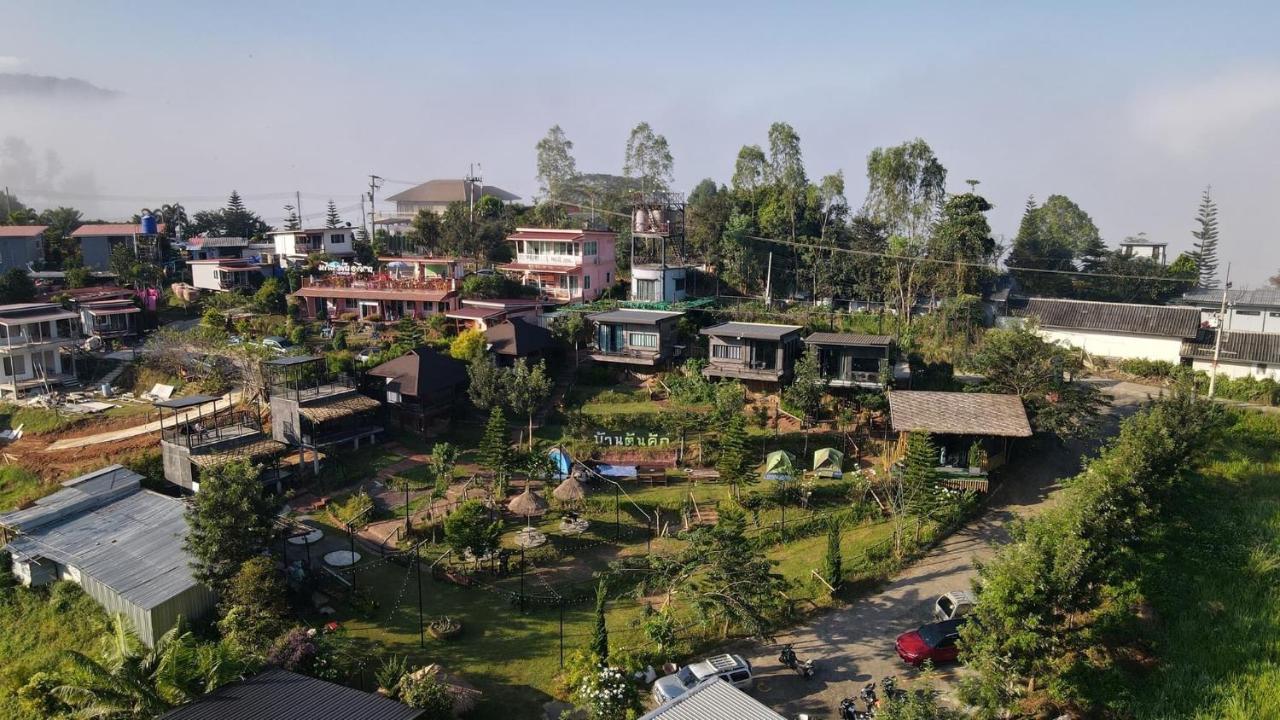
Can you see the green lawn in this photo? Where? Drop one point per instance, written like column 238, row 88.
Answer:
column 1212, row 582
column 18, row 486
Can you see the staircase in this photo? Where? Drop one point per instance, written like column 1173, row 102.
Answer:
column 696, row 516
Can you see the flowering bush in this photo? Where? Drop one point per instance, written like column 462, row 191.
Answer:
column 608, row 694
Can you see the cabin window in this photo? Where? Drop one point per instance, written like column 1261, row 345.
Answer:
column 15, row 365
column 337, row 238
column 1273, row 314
column 586, row 282
column 726, row 352
column 1250, row 313
column 589, row 247
column 679, row 284
column 642, row 339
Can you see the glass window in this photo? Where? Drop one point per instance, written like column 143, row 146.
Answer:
column 586, row 282
column 1250, row 313
column 1274, row 314
column 728, row 352
column 679, row 284
column 642, row 340
column 589, row 247
column 337, row 238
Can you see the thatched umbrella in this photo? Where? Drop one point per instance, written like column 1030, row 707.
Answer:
column 570, row 490
column 528, row 503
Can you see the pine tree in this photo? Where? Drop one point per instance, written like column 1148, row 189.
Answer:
column 920, row 474
column 833, row 564
column 235, row 203
column 495, row 450
column 734, row 464
column 600, row 633
column 331, row 217
column 291, row 219
column 1206, row 245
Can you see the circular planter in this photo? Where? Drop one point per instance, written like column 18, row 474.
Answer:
column 342, row 558
column 444, row 628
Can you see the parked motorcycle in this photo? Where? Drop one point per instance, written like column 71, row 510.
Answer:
column 889, row 686
column 869, row 698
column 803, row 668
column 849, row 711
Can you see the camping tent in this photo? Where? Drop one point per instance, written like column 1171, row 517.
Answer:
column 828, row 463
column 779, row 465
column 560, row 459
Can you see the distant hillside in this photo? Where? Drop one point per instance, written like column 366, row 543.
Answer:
column 36, row 86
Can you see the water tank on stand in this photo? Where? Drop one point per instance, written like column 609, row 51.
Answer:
column 149, row 225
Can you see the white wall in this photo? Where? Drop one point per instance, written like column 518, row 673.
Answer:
column 345, row 235
column 1237, row 369
column 1118, row 346
column 204, row 276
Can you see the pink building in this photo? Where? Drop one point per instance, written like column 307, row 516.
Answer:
column 568, row 265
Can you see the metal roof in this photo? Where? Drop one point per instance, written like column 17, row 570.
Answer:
column 126, row 538
column 450, row 190
column 1254, row 297
column 34, row 312
column 712, row 699
column 423, row 371
column 291, row 360
column 635, row 317
column 107, row 229
column 21, row 231
column 1237, row 347
column 1157, row 320
column 753, row 331
column 851, row 339
column 184, row 402
column 958, row 413
column 282, row 695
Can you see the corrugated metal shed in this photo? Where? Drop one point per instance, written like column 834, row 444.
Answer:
column 1237, row 347
column 1157, row 320
column 282, row 695
column 713, row 699
column 752, row 331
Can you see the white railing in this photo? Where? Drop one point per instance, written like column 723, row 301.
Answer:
column 549, row 259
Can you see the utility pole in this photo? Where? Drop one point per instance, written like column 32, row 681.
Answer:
column 471, row 180
column 768, row 284
column 1217, row 340
column 297, row 200
column 375, row 182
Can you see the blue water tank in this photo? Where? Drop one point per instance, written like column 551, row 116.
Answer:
column 149, row 226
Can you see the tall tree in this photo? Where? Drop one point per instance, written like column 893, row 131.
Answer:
column 488, row 383
column 962, row 238
column 229, row 522
column 920, row 474
column 600, row 631
column 750, row 170
column 906, row 185
column 1206, row 245
column 833, row 562
column 331, row 217
column 806, row 390
column 735, row 583
column 1035, row 249
column 734, row 463
column 786, row 168
column 495, row 445
column 291, row 219
column 528, row 387
column 648, row 159
column 557, row 170
column 425, row 231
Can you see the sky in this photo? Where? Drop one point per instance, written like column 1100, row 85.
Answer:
column 1130, row 109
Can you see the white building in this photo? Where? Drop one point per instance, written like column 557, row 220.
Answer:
column 1256, row 310
column 1115, row 330
column 224, row 275
column 32, row 337
column 658, row 283
column 1141, row 247
column 1243, row 354
column 294, row 246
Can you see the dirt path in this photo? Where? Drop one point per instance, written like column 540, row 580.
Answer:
column 854, row 645
column 136, row 430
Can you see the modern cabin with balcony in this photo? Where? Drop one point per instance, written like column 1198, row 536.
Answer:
column 193, row 440
column 756, row 352
column 313, row 410
column 635, row 337
column 568, row 266
column 32, row 339
column 224, row 274
column 98, row 240
column 381, row 295
column 847, row 360
column 293, row 247
column 21, row 245
column 421, row 388
column 107, row 321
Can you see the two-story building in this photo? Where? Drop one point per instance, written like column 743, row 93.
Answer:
column 436, row 195
column 21, row 245
column 313, row 410
column 635, row 337
column 376, row 295
column 293, row 247
column 198, row 435
column 752, row 351
column 848, row 360
column 1248, row 309
column 107, row 312
column 97, row 242
column 1141, row 247
column 32, row 339
column 566, row 265
column 214, row 248
column 225, row 274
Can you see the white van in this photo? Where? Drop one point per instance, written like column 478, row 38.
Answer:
column 730, row 668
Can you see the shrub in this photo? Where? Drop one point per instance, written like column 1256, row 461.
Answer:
column 468, row 345
column 354, row 510
column 1159, row 369
column 427, row 693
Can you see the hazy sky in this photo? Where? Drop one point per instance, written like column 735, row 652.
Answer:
column 1129, row 111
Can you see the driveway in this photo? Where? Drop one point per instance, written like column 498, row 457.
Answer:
column 854, row 645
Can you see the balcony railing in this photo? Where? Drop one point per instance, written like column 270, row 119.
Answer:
column 302, row 391
column 379, row 281
column 549, row 259
column 23, row 340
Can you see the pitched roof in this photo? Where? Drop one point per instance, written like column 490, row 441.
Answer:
column 101, row 229
column 1157, row 320
column 21, row 231
column 1254, row 297
column 517, row 338
column 712, row 699
column 958, row 413
column 752, row 331
column 450, row 190
column 555, row 234
column 1237, row 347
column 282, row 695
column 634, row 317
column 851, row 339
column 423, row 371
column 113, row 531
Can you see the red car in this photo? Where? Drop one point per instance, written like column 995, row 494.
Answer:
column 935, row 641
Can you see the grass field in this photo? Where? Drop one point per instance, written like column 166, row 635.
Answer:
column 35, row 627
column 1212, row 582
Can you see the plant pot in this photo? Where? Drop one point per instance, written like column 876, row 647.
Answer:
column 444, row 629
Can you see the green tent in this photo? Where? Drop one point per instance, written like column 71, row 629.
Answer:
column 779, row 465
column 828, row 462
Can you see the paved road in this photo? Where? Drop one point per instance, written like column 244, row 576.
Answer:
column 136, row 430
column 854, row 645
